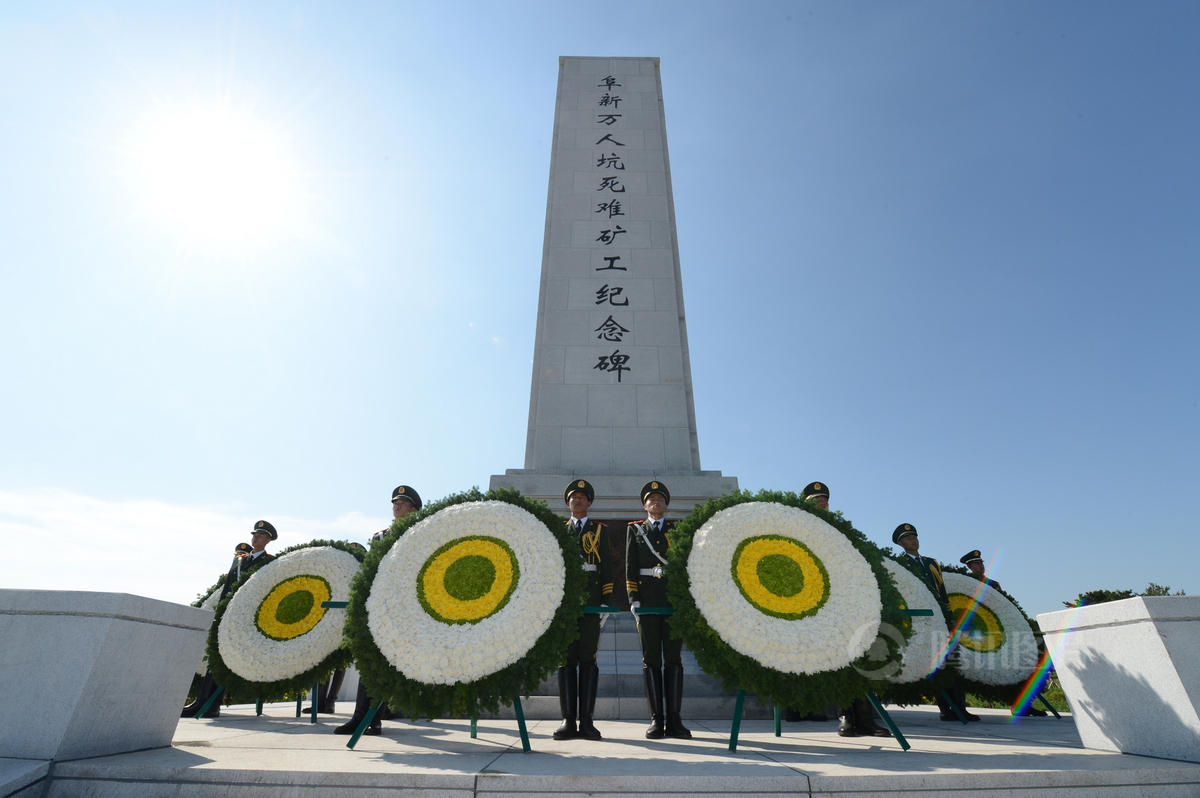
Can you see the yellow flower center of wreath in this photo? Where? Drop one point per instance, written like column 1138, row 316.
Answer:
column 468, row 579
column 780, row 576
column 293, row 607
column 983, row 631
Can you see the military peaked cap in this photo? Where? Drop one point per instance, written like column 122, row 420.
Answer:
column 971, row 556
column 405, row 492
column 581, row 485
column 265, row 526
column 243, row 548
column 815, row 489
column 654, row 486
column 902, row 530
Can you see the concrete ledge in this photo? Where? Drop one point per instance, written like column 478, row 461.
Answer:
column 1131, row 672
column 22, row 777
column 88, row 674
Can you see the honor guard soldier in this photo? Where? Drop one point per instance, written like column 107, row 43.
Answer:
column 577, row 680
column 646, row 545
column 859, row 719
column 405, row 500
column 930, row 573
column 247, row 559
column 816, row 494
column 974, row 562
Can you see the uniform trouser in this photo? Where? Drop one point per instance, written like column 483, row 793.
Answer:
column 582, row 653
column 654, row 632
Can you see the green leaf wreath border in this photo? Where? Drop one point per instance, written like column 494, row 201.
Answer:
column 242, row 690
column 420, row 699
column 802, row 692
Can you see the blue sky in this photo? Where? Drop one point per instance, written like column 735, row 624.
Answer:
column 940, row 255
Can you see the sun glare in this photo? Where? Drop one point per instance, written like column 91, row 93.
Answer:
column 216, row 177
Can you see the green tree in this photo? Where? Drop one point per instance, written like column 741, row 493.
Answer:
column 1102, row 595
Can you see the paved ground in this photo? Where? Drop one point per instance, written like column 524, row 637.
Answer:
column 280, row 755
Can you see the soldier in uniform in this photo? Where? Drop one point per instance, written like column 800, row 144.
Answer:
column 930, row 573
column 327, row 693
column 859, row 719
column 405, row 500
column 577, row 680
column 646, row 545
column 974, row 562
column 247, row 560
column 816, row 494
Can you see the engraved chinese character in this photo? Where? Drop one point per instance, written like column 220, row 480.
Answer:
column 613, row 207
column 609, row 330
column 614, row 362
column 610, row 99
column 608, row 119
column 610, row 161
column 608, row 137
column 609, row 295
column 613, row 184
column 612, row 264
column 607, row 83
column 609, row 236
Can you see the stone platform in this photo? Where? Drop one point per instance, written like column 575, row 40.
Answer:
column 282, row 756
column 621, row 693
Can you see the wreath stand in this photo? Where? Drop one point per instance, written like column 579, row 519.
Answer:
column 871, row 697
column 370, row 716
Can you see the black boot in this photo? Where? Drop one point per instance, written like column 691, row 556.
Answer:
column 207, row 688
column 846, row 723
column 318, row 698
column 864, row 719
column 568, row 697
column 960, row 695
column 674, row 696
column 329, row 704
column 654, row 696
column 589, row 678
column 362, row 705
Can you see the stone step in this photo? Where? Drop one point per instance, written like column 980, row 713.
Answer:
column 700, row 685
column 634, row 707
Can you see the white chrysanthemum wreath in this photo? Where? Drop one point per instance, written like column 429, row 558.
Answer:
column 781, row 599
column 274, row 629
column 465, row 592
column 996, row 645
column 466, row 605
column 782, row 586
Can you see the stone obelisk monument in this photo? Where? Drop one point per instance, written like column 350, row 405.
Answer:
column 611, row 400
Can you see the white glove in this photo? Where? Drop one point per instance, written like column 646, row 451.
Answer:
column 633, row 608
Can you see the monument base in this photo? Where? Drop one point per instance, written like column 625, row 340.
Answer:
column 617, row 495
column 89, row 674
column 1131, row 672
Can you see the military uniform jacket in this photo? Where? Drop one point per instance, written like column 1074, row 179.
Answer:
column 989, row 582
column 249, row 566
column 930, row 573
column 593, row 546
column 646, row 588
